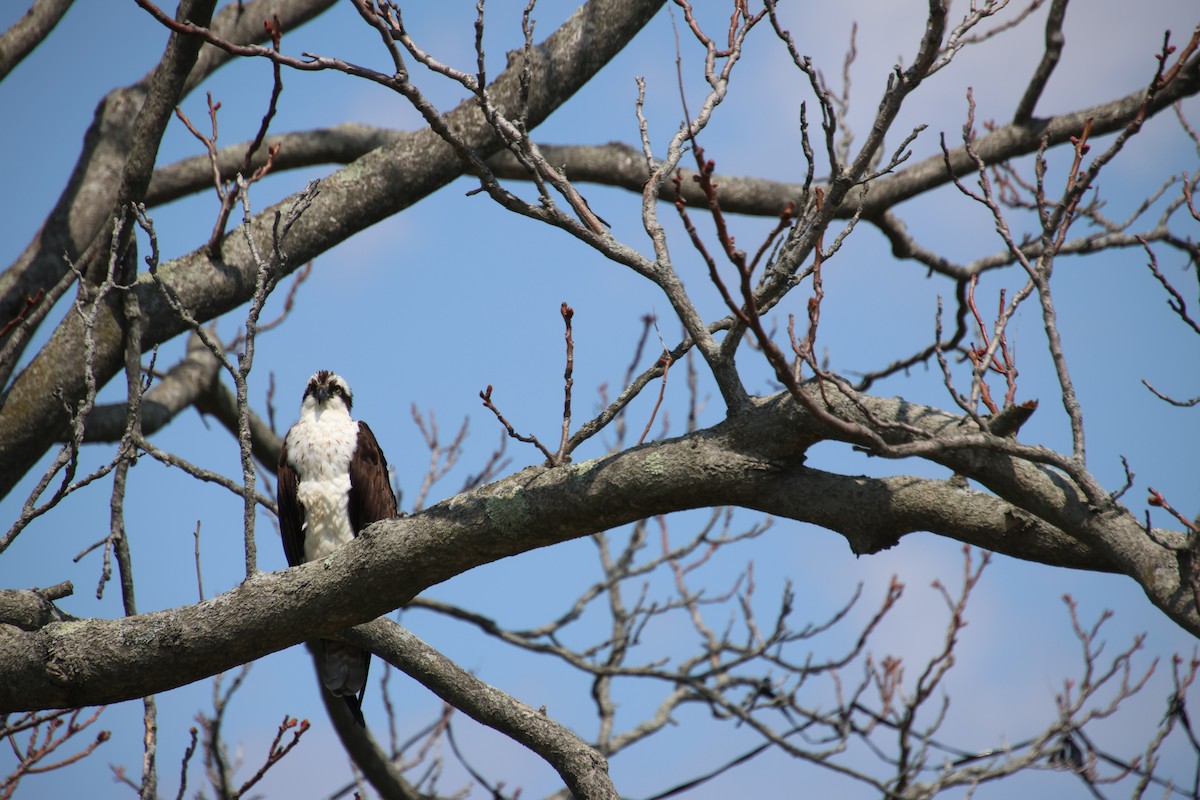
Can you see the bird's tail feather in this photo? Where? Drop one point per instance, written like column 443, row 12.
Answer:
column 343, row 669
column 354, row 703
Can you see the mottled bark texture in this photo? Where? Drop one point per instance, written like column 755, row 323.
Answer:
column 755, row 460
column 372, row 188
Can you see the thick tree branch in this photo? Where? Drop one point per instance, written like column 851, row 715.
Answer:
column 29, row 31
column 378, row 185
column 997, row 492
column 132, row 166
column 183, row 385
column 340, row 144
column 83, row 210
column 583, row 770
column 888, row 508
column 754, row 460
column 1045, row 68
column 618, row 164
column 31, row 609
column 221, row 403
column 360, row 744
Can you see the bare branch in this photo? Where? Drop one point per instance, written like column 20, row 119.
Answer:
column 1045, row 68
column 29, row 31
column 584, row 771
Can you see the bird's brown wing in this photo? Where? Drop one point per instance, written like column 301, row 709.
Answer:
column 371, row 497
column 291, row 513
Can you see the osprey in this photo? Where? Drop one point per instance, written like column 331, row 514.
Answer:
column 333, row 482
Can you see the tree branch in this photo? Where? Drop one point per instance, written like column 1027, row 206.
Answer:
column 183, row 385
column 583, row 770
column 754, row 460
column 620, row 165
column 408, row 170
column 82, row 211
column 29, row 31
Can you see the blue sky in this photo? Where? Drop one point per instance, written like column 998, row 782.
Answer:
column 432, row 305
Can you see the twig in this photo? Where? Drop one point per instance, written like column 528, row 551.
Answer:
column 199, row 574
column 441, row 460
column 88, row 305
column 1176, row 302
column 43, row 743
column 486, row 397
column 31, row 302
column 1156, row 499
column 491, row 468
column 666, row 362
column 562, row 456
column 183, row 764
column 275, row 753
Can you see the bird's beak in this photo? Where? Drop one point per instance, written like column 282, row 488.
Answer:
column 322, row 395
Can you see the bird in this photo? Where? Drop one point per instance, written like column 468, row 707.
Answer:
column 332, row 482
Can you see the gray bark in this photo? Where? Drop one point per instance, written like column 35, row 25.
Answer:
column 755, row 460
column 379, row 184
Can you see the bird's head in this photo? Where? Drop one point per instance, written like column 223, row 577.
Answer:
column 326, row 391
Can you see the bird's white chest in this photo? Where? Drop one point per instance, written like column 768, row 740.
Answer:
column 320, row 446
